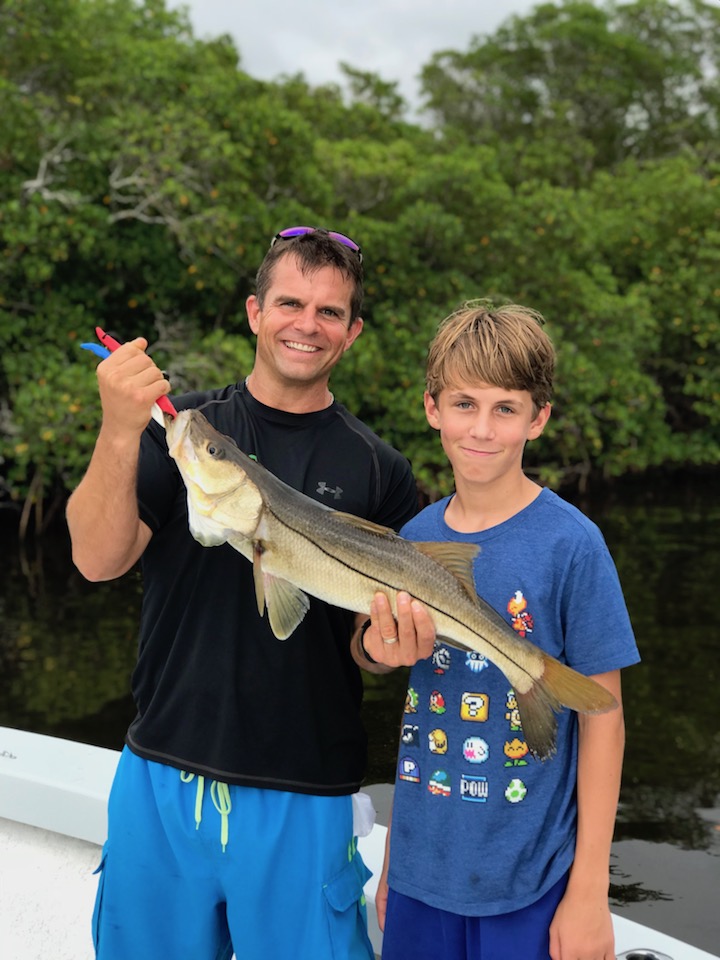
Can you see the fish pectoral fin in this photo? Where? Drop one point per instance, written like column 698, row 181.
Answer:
column 367, row 525
column 258, row 575
column 457, row 558
column 243, row 545
column 286, row 605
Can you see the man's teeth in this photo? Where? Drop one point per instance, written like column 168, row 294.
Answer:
column 305, row 347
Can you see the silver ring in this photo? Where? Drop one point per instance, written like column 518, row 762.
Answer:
column 390, row 639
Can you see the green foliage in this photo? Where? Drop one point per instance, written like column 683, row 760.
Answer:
column 571, row 165
column 574, row 87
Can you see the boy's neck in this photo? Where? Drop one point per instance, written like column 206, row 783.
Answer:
column 479, row 507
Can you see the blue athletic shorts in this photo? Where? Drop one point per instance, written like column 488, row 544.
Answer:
column 195, row 869
column 413, row 929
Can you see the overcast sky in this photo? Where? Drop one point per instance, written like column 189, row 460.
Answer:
column 393, row 38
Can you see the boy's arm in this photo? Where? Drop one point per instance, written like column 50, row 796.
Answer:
column 582, row 926
column 381, row 895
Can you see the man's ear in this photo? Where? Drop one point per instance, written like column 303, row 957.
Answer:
column 354, row 331
column 252, row 308
column 431, row 411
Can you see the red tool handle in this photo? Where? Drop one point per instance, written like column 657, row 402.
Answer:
column 112, row 344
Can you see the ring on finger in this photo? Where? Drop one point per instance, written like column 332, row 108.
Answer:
column 390, row 639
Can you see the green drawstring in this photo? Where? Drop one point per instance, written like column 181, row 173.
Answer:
column 186, row 778
column 220, row 795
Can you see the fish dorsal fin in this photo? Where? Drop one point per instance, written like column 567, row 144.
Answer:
column 457, row 558
column 367, row 525
column 286, row 603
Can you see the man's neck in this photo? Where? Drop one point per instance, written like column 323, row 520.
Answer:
column 300, row 398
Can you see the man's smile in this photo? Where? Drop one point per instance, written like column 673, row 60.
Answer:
column 303, row 347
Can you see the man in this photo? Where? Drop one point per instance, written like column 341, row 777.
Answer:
column 231, row 814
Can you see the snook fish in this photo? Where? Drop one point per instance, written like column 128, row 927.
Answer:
column 298, row 546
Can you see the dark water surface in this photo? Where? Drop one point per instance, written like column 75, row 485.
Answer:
column 67, row 648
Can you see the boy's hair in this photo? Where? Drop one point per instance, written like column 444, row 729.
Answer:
column 500, row 346
column 312, row 252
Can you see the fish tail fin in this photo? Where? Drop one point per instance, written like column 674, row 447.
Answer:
column 559, row 686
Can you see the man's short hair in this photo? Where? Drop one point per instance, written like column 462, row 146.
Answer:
column 313, row 251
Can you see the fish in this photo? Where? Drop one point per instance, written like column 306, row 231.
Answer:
column 299, row 548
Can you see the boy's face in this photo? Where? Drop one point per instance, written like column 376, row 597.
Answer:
column 484, row 429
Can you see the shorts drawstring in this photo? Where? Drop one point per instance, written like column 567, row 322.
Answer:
column 220, row 796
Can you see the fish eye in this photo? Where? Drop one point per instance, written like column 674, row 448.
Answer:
column 215, row 451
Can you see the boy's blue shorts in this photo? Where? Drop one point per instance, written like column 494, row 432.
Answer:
column 413, row 929
column 197, row 870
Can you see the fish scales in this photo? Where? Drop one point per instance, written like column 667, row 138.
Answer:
column 298, row 546
column 358, row 557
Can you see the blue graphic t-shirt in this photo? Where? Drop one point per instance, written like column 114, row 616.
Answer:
column 479, row 827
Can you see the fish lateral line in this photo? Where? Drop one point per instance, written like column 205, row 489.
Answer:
column 539, row 697
column 396, row 588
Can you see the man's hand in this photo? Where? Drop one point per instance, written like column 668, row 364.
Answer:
column 403, row 642
column 129, row 382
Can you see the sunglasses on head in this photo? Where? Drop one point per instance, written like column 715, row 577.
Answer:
column 291, row 232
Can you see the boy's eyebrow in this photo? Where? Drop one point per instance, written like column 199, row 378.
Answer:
column 461, row 393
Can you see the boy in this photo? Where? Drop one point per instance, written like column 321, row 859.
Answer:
column 493, row 855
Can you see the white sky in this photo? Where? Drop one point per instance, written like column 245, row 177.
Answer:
column 393, row 38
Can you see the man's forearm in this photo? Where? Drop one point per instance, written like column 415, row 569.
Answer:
column 359, row 654
column 106, row 532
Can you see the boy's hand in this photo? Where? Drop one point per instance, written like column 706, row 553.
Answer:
column 403, row 642
column 582, row 930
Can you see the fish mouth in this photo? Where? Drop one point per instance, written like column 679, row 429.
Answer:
column 179, row 441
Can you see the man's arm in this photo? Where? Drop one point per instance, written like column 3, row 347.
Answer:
column 106, row 531
column 582, row 926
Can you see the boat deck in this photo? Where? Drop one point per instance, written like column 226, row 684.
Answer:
column 53, row 801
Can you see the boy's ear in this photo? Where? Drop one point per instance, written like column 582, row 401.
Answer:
column 538, row 424
column 431, row 411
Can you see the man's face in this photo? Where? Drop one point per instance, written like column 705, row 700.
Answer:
column 303, row 327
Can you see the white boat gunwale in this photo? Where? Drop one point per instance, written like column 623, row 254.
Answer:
column 53, row 808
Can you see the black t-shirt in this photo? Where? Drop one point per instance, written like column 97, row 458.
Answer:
column 217, row 694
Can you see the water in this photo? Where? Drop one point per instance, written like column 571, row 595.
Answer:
column 67, row 649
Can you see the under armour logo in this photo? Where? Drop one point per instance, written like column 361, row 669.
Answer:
column 323, row 488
